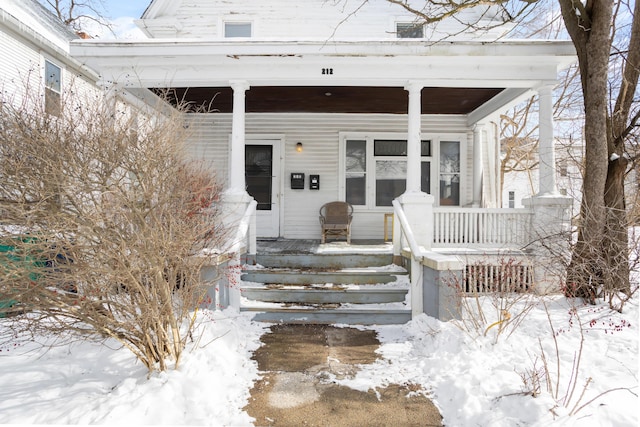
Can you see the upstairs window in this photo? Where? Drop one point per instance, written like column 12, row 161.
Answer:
column 409, row 30
column 52, row 88
column 237, row 29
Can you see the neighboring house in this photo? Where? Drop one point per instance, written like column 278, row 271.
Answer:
column 35, row 56
column 363, row 102
column 522, row 184
column 37, row 70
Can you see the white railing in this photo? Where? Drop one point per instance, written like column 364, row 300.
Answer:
column 246, row 234
column 405, row 232
column 481, row 227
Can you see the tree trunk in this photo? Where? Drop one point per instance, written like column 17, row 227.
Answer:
column 616, row 238
column 616, row 243
column 591, row 36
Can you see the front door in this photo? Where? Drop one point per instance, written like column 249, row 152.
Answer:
column 262, row 163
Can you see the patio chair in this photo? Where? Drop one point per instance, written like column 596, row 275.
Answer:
column 335, row 220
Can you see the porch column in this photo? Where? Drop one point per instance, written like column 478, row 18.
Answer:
column 478, row 138
column 413, row 137
column 236, row 163
column 546, row 144
column 236, row 200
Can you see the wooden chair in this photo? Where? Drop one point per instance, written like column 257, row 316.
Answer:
column 335, row 220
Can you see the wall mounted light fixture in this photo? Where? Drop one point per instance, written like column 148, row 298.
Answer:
column 299, row 147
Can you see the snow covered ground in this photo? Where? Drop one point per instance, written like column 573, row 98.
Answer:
column 475, row 380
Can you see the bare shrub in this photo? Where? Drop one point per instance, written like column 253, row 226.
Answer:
column 607, row 276
column 561, row 384
column 495, row 297
column 105, row 222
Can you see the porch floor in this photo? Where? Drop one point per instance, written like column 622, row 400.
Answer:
column 310, row 246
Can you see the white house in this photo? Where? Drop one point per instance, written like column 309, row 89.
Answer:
column 35, row 51
column 312, row 102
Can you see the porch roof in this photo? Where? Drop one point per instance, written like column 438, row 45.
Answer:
column 480, row 71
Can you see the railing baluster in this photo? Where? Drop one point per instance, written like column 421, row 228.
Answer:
column 481, row 227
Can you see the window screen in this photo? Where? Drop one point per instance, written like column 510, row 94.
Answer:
column 409, row 30
column 237, row 29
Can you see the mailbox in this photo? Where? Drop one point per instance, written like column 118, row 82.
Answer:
column 297, row 181
column 314, row 182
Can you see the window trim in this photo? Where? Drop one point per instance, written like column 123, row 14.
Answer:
column 435, row 139
column 46, row 88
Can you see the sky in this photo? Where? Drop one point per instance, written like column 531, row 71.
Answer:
column 126, row 8
column 121, row 13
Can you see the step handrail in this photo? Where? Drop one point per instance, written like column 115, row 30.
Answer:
column 416, row 252
column 247, row 228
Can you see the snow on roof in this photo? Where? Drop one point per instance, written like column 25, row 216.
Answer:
column 40, row 20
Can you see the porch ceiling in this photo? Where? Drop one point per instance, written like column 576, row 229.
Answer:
column 334, row 99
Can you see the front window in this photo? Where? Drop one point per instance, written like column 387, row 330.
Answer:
column 450, row 173
column 391, row 180
column 237, row 29
column 52, row 88
column 409, row 30
column 356, row 172
column 375, row 170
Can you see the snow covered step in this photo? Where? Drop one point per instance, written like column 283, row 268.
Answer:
column 322, row 295
column 325, row 261
column 292, row 276
column 347, row 288
column 349, row 316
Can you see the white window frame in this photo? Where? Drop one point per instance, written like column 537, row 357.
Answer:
column 46, row 60
column 370, row 195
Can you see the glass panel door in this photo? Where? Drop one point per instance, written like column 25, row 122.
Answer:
column 262, row 169
column 258, row 173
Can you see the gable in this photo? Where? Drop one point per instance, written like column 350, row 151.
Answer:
column 285, row 19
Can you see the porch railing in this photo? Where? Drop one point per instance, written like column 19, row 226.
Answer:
column 246, row 234
column 454, row 227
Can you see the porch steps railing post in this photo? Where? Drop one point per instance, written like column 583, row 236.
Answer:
column 550, row 239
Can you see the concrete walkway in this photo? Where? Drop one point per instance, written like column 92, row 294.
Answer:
column 297, row 363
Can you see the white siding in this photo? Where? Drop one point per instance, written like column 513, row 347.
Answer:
column 291, row 19
column 23, row 70
column 28, row 35
column 319, row 134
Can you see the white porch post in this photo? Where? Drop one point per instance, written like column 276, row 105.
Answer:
column 417, row 205
column 236, row 162
column 478, row 138
column 551, row 221
column 546, row 144
column 413, row 137
column 236, row 199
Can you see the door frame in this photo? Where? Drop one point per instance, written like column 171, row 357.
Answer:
column 277, row 142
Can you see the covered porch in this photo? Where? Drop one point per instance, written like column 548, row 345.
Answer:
column 333, row 98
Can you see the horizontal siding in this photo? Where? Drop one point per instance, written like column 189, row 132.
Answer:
column 23, row 52
column 23, row 70
column 288, row 19
column 319, row 134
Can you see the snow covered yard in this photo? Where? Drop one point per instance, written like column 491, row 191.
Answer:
column 473, row 379
column 478, row 382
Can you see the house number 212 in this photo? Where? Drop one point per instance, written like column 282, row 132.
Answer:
column 327, row 71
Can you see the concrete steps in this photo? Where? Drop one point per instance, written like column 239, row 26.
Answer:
column 328, row 289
